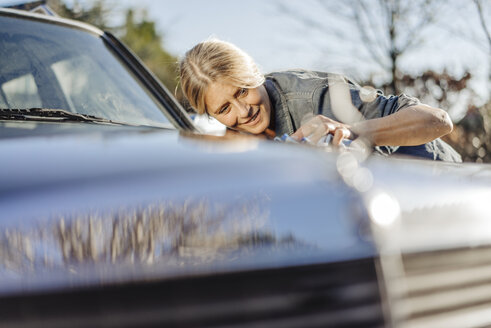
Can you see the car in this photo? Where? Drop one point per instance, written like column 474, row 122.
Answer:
column 81, row 72
column 116, row 212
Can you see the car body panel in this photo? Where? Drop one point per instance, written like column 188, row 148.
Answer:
column 104, row 176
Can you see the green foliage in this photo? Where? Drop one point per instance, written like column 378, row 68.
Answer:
column 146, row 42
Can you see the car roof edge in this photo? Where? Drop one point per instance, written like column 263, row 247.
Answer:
column 51, row 19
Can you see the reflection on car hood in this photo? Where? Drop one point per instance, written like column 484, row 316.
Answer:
column 162, row 203
column 105, row 207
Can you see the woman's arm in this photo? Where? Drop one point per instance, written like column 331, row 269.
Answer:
column 411, row 126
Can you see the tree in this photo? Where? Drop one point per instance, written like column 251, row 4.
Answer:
column 385, row 29
column 469, row 24
column 485, row 29
column 97, row 14
column 475, row 127
column 146, row 42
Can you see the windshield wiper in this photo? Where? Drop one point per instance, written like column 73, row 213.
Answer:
column 52, row 115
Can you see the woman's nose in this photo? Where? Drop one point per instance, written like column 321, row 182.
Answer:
column 244, row 109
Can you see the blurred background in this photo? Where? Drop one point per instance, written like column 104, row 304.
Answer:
column 436, row 50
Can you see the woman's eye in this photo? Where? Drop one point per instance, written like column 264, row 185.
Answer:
column 243, row 92
column 224, row 109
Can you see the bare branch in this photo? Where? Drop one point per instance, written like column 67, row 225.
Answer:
column 373, row 28
column 307, row 21
column 483, row 22
column 384, row 29
column 342, row 14
column 304, row 19
column 367, row 42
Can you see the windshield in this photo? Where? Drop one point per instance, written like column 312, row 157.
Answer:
column 51, row 66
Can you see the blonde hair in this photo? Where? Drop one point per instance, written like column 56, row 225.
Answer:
column 215, row 60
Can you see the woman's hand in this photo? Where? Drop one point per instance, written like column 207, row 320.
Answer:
column 319, row 126
column 411, row 126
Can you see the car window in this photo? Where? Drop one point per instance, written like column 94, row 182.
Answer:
column 53, row 66
column 21, row 92
column 90, row 89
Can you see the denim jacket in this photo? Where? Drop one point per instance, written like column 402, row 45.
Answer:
column 298, row 95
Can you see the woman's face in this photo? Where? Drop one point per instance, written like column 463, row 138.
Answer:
column 242, row 109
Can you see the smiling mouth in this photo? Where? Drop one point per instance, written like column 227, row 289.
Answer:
column 253, row 118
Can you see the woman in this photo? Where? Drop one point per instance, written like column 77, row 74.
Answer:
column 223, row 81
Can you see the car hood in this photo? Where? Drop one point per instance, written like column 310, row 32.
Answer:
column 157, row 204
column 102, row 208
column 439, row 205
